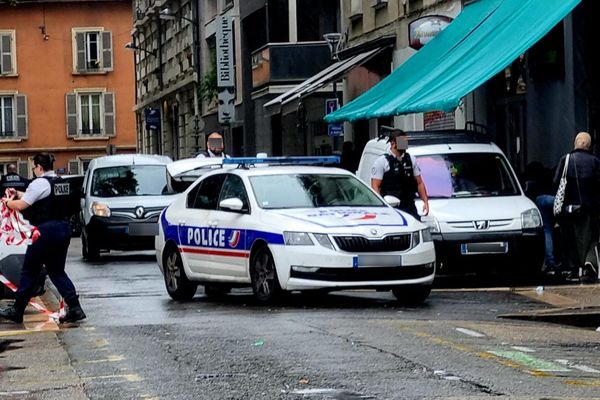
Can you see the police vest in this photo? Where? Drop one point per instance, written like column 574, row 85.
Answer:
column 55, row 207
column 400, row 180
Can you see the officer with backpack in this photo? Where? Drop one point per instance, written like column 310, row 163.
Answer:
column 44, row 205
column 398, row 174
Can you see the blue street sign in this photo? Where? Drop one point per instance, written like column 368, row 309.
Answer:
column 331, row 105
column 152, row 117
column 335, row 130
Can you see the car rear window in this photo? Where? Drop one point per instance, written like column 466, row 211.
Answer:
column 460, row 175
column 130, row 180
column 311, row 191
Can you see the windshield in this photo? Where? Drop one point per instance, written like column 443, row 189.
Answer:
column 467, row 175
column 130, row 180
column 311, row 191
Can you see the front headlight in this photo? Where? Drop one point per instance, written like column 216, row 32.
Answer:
column 432, row 224
column 100, row 210
column 297, row 239
column 426, row 235
column 323, row 240
column 531, row 219
column 416, row 238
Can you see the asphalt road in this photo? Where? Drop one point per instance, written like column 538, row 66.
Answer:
column 138, row 344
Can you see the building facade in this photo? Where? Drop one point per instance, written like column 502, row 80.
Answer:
column 65, row 82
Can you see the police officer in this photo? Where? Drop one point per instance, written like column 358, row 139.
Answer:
column 13, row 180
column 398, row 174
column 214, row 147
column 44, row 205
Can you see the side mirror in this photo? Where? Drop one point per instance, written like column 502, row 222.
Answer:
column 233, row 204
column 392, row 200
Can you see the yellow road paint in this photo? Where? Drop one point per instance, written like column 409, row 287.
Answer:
column 590, row 382
column 109, row 359
column 127, row 377
column 89, row 328
column 101, row 343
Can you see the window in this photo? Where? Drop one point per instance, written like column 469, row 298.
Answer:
column 130, row 180
column 92, row 49
column 234, row 188
column 207, row 194
column 90, row 114
column 13, row 116
column 7, row 53
column 227, row 4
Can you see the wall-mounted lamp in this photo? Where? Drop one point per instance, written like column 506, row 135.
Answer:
column 132, row 46
column 42, row 29
column 167, row 15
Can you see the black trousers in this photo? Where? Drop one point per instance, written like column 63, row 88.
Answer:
column 580, row 234
column 49, row 250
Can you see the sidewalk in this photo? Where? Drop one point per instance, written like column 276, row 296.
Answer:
column 577, row 305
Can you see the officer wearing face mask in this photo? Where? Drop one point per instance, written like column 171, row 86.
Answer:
column 214, row 147
column 398, row 174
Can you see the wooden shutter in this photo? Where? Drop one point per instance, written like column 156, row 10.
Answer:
column 109, row 114
column 6, row 54
column 74, row 167
column 22, row 131
column 23, row 168
column 80, row 51
column 107, row 59
column 71, row 107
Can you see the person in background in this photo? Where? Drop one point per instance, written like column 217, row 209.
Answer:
column 579, row 219
column 214, row 147
column 398, row 174
column 349, row 160
column 44, row 205
column 13, row 180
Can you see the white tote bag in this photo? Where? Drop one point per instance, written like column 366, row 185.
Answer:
column 559, row 199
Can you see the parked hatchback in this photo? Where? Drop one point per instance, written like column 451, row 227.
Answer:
column 479, row 216
column 122, row 197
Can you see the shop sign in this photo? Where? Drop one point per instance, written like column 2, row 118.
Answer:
column 152, row 118
column 225, row 70
column 422, row 30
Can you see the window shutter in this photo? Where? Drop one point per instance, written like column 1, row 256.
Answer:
column 109, row 114
column 6, row 54
column 107, row 60
column 22, row 116
column 74, row 167
column 71, row 105
column 80, row 43
column 23, row 168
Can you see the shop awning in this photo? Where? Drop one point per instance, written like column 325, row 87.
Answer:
column 333, row 72
column 485, row 38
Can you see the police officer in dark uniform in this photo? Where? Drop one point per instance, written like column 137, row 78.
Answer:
column 13, row 180
column 398, row 174
column 44, row 205
column 214, row 147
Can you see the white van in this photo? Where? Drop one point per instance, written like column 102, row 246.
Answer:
column 122, row 198
column 479, row 216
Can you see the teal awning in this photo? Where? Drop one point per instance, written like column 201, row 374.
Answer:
column 486, row 37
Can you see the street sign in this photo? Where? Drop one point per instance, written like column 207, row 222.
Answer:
column 331, row 105
column 152, row 117
column 335, row 130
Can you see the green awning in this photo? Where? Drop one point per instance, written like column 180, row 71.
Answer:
column 487, row 36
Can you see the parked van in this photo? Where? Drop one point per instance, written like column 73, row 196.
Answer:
column 122, row 198
column 478, row 214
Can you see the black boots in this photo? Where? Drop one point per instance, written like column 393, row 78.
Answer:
column 74, row 312
column 14, row 313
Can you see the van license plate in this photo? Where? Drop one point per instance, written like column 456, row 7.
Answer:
column 143, row 229
column 484, row 248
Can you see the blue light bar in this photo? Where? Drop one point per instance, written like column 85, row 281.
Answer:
column 294, row 160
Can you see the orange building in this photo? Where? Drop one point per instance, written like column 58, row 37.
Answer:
column 66, row 82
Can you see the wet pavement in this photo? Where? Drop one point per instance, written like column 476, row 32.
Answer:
column 138, row 344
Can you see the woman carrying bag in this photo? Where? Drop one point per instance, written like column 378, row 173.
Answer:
column 577, row 207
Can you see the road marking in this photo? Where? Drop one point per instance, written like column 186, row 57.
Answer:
column 470, row 332
column 101, row 343
column 523, row 349
column 109, row 359
column 127, row 377
column 536, row 364
column 583, row 368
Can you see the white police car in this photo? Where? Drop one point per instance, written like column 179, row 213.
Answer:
column 286, row 228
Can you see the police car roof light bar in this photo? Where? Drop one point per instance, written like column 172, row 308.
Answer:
column 293, row 160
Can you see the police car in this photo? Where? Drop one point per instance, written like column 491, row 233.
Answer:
column 290, row 228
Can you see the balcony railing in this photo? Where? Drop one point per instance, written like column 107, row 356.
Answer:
column 283, row 63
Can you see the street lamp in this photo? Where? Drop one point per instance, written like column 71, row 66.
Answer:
column 132, row 46
column 167, row 15
column 334, row 41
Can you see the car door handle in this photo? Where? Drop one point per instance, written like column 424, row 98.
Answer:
column 181, row 222
column 213, row 224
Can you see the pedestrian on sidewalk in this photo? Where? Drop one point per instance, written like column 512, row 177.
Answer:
column 580, row 216
column 44, row 205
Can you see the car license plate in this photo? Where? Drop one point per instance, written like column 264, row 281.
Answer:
column 379, row 260
column 143, row 229
column 484, row 248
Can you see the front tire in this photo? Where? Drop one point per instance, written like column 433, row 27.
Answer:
column 179, row 287
column 88, row 250
column 263, row 274
column 412, row 294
